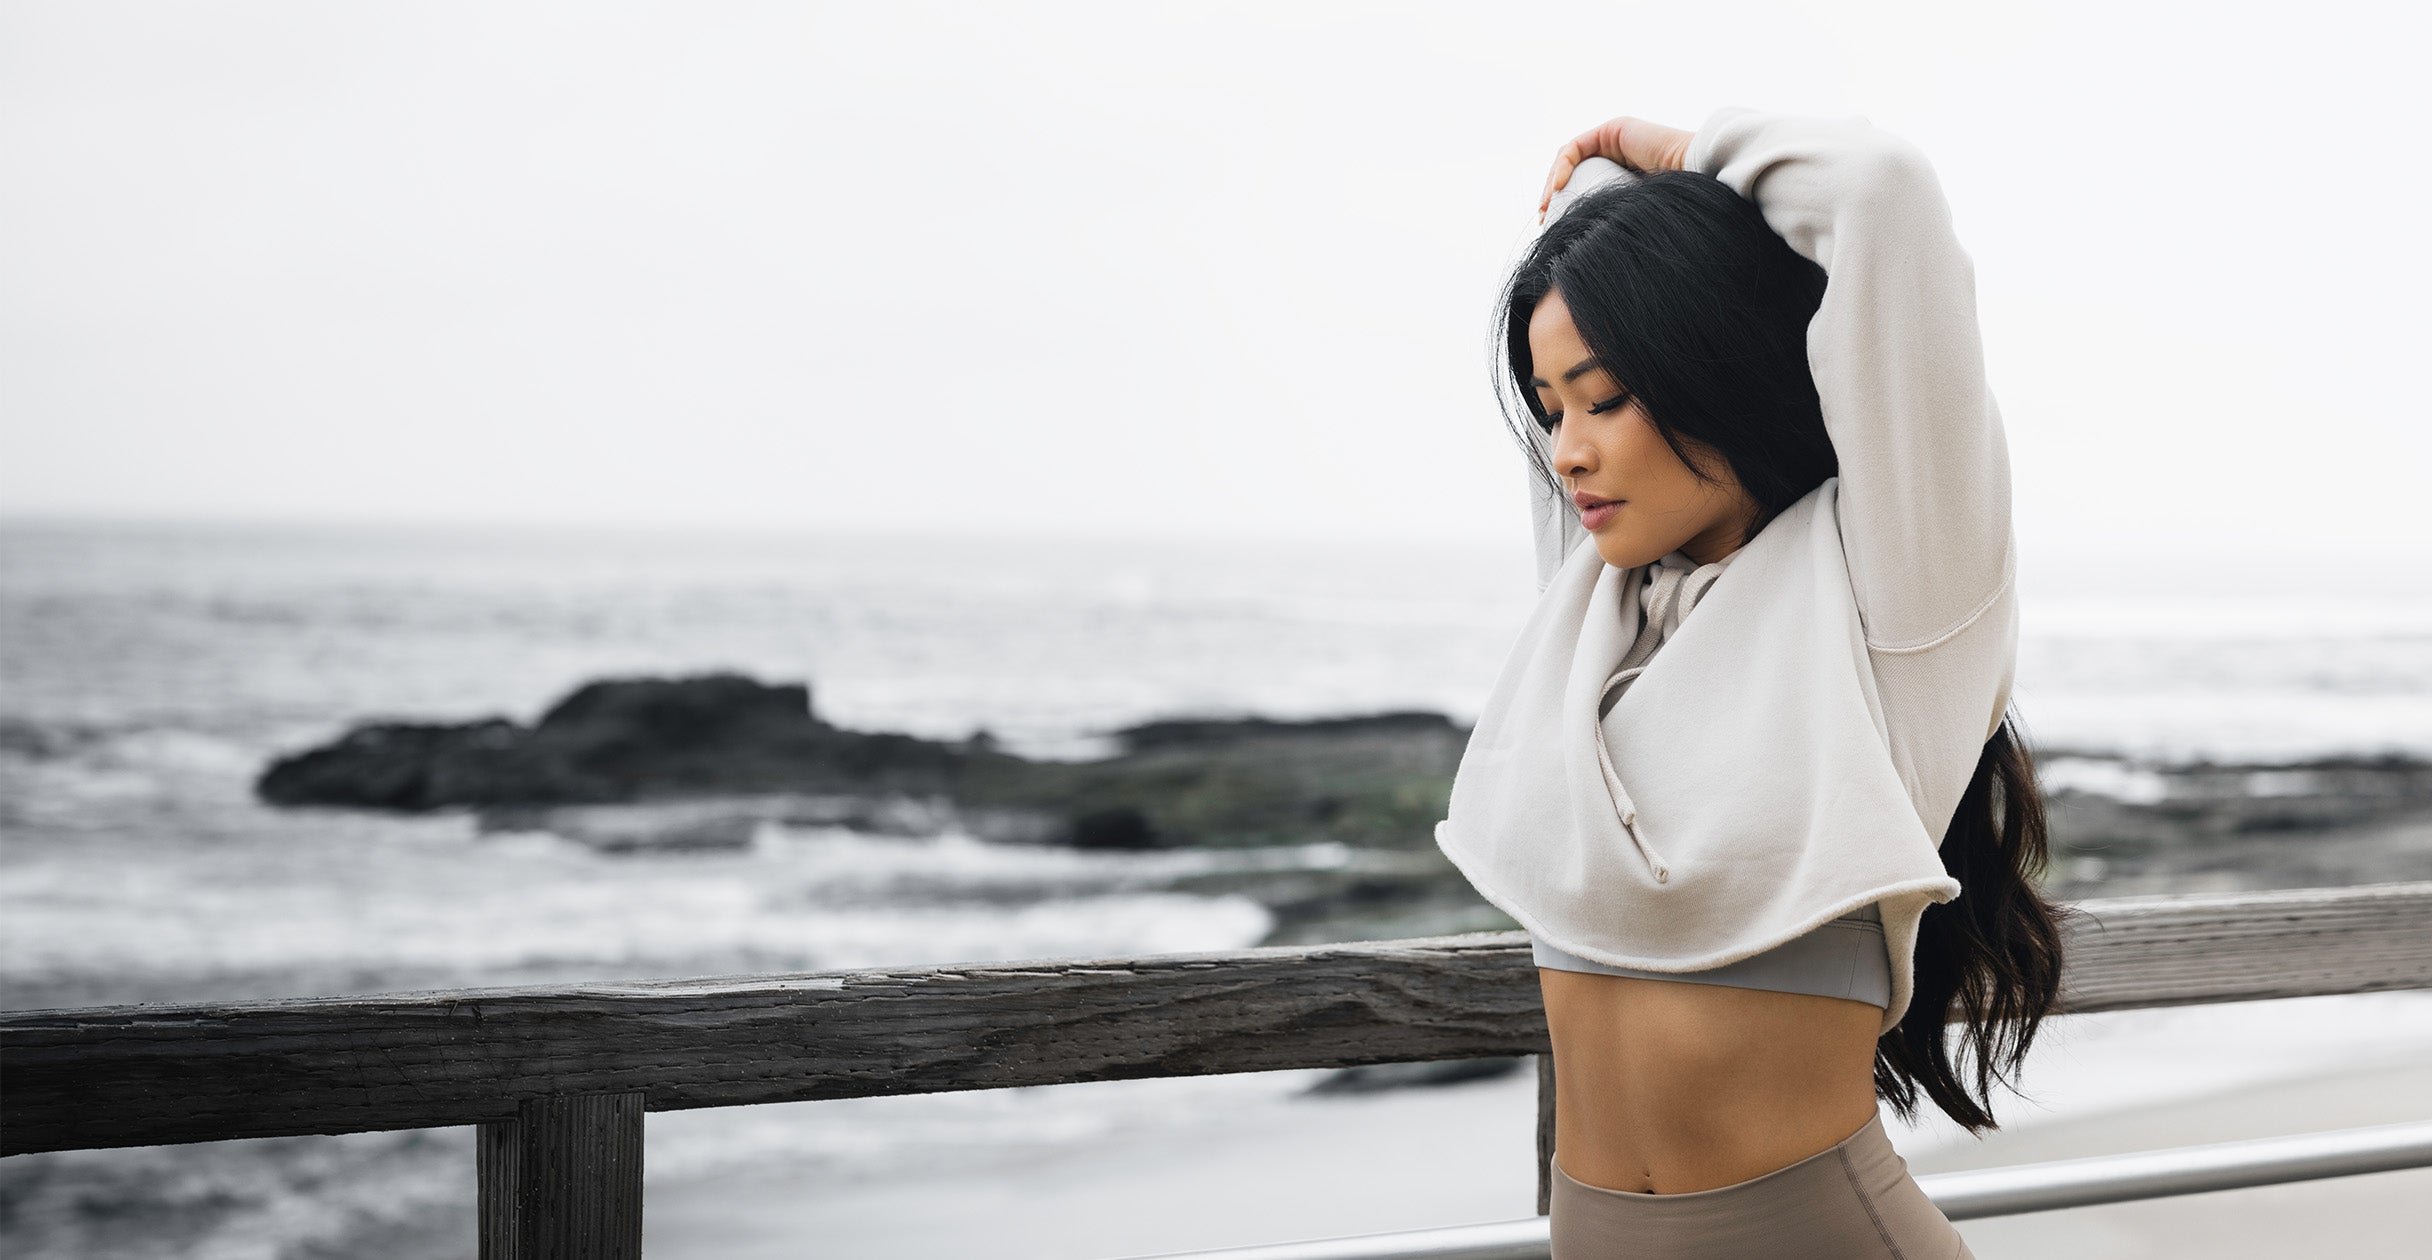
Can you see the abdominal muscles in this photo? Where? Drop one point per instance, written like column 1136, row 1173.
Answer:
column 1668, row 1087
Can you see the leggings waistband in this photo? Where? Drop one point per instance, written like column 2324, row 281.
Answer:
column 1852, row 1199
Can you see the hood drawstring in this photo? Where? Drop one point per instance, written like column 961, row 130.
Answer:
column 1659, row 592
column 1622, row 804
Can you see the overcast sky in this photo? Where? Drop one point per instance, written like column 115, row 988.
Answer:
column 1147, row 269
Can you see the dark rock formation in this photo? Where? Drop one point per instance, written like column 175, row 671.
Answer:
column 1376, row 1078
column 2205, row 826
column 616, row 740
column 757, row 753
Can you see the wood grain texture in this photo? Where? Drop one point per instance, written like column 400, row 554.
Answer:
column 144, row 1075
column 2129, row 953
column 563, row 1180
column 1545, row 1134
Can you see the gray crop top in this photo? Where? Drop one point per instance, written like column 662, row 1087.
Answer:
column 1844, row 958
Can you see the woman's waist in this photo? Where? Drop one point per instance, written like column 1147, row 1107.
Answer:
column 1685, row 1080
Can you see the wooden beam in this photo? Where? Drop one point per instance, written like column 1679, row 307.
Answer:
column 563, row 1179
column 151, row 1074
column 1545, row 1134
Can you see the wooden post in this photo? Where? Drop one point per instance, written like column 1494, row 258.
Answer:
column 1545, row 1133
column 563, row 1180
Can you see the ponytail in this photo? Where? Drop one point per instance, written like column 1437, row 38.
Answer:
column 1993, row 953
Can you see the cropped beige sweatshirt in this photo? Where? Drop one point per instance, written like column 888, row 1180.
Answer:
column 1798, row 746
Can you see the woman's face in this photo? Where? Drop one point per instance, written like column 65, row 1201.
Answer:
column 1604, row 445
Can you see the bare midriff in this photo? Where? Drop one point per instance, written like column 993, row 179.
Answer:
column 1668, row 1087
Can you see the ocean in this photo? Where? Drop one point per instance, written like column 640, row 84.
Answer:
column 148, row 672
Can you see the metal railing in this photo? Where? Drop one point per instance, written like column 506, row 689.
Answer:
column 1962, row 1196
column 559, row 1080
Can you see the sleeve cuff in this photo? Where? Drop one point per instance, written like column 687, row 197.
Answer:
column 1701, row 157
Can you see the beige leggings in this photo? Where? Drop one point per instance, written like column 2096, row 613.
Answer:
column 1855, row 1199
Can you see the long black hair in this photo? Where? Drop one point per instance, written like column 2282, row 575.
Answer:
column 1689, row 299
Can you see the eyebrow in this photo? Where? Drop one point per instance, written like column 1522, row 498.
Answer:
column 1585, row 366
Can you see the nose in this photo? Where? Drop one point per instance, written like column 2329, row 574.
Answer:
column 1573, row 455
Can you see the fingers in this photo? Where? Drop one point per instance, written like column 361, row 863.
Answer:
column 1634, row 142
column 1596, row 141
column 1566, row 159
column 1602, row 140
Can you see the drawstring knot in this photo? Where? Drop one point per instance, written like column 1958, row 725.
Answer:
column 1623, row 805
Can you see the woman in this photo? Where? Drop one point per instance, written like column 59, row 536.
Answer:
column 1766, row 850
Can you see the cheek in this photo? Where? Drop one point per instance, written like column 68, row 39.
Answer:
column 1655, row 470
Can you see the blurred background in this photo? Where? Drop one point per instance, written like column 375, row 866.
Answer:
column 1098, row 392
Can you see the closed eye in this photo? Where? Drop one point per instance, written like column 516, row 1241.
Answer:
column 1554, row 418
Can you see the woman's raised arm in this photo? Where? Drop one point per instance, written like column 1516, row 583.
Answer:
column 1898, row 362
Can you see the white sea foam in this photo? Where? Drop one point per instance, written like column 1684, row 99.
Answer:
column 2102, row 777
column 834, row 900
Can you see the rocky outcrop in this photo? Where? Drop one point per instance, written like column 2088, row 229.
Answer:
column 609, row 763
column 617, row 740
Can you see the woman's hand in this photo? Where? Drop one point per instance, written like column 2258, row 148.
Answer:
column 1634, row 142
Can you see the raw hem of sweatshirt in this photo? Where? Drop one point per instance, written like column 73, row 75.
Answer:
column 1502, row 901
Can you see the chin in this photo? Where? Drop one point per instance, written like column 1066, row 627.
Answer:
column 1627, row 553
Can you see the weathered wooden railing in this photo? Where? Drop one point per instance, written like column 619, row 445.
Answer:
column 559, row 1079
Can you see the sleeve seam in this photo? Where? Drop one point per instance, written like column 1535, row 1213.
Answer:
column 2009, row 573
